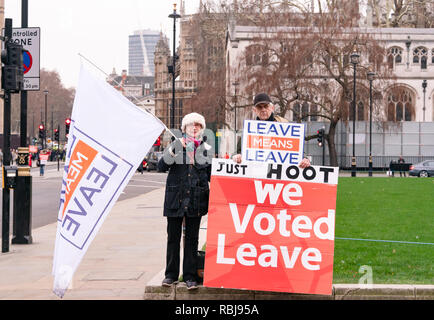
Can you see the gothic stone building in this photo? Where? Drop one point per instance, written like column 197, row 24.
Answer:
column 409, row 53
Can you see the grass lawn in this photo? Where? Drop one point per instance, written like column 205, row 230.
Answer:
column 400, row 209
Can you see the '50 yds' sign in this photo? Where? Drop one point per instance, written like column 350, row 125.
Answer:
column 271, row 227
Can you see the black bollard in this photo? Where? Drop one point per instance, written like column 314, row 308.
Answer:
column 22, row 227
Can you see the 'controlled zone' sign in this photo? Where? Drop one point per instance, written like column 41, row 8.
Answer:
column 29, row 38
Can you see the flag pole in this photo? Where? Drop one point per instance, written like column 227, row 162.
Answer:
column 120, row 85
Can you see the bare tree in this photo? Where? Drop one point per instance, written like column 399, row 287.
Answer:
column 302, row 59
column 306, row 65
column 208, row 35
column 402, row 13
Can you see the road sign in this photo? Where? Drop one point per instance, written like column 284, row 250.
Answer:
column 30, row 39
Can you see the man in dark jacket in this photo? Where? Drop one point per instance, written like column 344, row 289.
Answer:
column 264, row 110
column 188, row 160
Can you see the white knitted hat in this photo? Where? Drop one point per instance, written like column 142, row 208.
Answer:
column 192, row 118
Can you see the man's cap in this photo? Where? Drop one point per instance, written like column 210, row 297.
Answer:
column 261, row 98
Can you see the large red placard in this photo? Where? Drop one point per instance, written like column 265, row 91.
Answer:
column 271, row 234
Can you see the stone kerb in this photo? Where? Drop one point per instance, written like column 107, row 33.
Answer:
column 340, row 292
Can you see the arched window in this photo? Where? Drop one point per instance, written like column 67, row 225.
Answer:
column 407, row 111
column 346, row 59
column 394, row 56
column 256, row 55
column 391, row 111
column 423, row 62
column 304, row 112
column 400, row 105
column 296, row 112
column 360, row 111
column 420, row 56
column 398, row 112
column 314, row 111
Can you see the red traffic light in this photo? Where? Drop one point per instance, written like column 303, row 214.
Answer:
column 68, row 121
column 41, row 127
column 157, row 142
column 56, row 130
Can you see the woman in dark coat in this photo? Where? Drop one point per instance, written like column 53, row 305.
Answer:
column 188, row 160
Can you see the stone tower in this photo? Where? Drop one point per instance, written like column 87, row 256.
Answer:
column 161, row 59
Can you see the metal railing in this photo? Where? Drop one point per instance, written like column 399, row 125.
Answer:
column 379, row 163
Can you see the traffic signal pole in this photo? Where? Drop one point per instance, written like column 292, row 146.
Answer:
column 6, row 146
column 22, row 221
column 58, row 147
column 323, row 152
column 6, row 163
column 41, row 134
column 321, row 142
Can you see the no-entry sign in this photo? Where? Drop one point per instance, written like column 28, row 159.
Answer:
column 27, row 61
column 29, row 38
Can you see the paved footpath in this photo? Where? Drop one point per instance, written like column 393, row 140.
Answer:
column 128, row 251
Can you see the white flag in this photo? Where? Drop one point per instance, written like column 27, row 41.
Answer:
column 108, row 139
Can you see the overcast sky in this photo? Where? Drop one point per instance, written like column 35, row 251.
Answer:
column 98, row 29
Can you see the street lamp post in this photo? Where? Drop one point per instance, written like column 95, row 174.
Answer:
column 45, row 122
column 52, row 124
column 354, row 60
column 174, row 16
column 371, row 76
column 235, row 84
column 424, row 85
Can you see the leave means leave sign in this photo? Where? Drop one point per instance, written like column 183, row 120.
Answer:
column 272, row 142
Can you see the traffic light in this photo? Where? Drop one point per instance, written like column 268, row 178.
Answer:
column 12, row 71
column 67, row 124
column 56, row 134
column 320, row 138
column 41, row 131
column 170, row 69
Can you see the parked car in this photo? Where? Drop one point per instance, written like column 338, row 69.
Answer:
column 423, row 169
column 153, row 158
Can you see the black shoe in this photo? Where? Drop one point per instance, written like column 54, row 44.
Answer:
column 191, row 284
column 167, row 282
